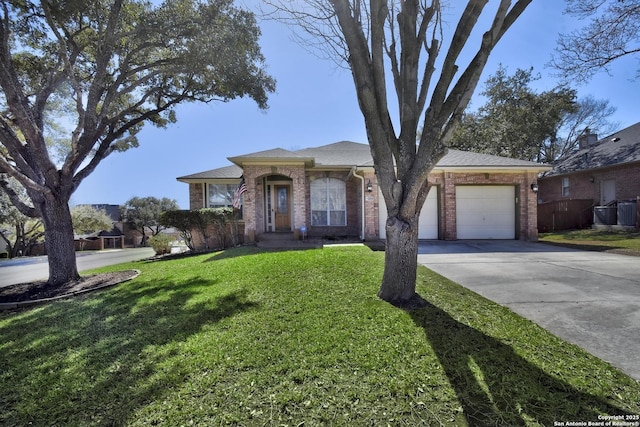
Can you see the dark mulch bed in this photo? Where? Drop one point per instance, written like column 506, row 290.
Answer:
column 40, row 290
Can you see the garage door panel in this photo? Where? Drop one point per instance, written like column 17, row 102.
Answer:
column 428, row 222
column 485, row 212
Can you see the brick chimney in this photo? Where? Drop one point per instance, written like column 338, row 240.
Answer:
column 587, row 139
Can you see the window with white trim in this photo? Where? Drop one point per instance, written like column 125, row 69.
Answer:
column 328, row 202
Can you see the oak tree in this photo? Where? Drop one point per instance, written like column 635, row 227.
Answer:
column 119, row 64
column 517, row 121
column 142, row 214
column 88, row 219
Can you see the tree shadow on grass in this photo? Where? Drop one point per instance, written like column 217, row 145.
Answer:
column 239, row 251
column 97, row 360
column 496, row 386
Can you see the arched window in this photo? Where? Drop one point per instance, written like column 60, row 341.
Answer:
column 328, row 202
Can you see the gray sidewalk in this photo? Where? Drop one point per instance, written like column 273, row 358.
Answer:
column 590, row 299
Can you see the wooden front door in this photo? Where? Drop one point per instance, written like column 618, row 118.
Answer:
column 283, row 208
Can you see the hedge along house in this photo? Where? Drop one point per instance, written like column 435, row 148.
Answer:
column 331, row 191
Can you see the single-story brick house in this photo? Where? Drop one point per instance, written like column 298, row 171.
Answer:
column 604, row 171
column 331, row 190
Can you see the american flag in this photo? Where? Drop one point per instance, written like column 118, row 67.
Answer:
column 237, row 195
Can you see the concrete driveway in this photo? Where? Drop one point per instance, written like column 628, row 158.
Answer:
column 590, row 299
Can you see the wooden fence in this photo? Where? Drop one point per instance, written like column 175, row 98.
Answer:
column 565, row 215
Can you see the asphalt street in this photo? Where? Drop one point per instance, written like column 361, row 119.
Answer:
column 591, row 299
column 28, row 269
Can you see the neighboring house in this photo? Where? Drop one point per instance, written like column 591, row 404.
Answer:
column 331, row 191
column 113, row 212
column 105, row 239
column 601, row 173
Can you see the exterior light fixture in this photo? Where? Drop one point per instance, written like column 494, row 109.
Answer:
column 369, row 186
column 534, row 187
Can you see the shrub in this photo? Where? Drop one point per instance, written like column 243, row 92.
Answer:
column 215, row 220
column 211, row 224
column 184, row 221
column 161, row 243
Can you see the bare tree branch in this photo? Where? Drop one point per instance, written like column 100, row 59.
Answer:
column 395, row 36
column 613, row 33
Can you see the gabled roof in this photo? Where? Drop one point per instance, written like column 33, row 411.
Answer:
column 617, row 149
column 227, row 172
column 344, row 153
column 347, row 154
column 269, row 156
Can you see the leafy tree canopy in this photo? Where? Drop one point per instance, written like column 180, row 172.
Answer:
column 518, row 122
column 87, row 219
column 18, row 231
column 143, row 213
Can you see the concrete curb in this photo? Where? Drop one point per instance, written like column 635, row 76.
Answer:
column 23, row 304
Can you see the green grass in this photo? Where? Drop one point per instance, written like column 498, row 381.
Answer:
column 254, row 338
column 598, row 240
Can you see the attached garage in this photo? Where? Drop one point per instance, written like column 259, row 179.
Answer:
column 486, row 211
column 428, row 222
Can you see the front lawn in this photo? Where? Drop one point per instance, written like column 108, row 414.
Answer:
column 625, row 242
column 245, row 337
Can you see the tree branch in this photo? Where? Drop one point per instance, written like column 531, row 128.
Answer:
column 15, row 199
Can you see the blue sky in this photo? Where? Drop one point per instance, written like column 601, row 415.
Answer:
column 315, row 104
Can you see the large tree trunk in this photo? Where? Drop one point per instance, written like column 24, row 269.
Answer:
column 59, row 241
column 401, row 262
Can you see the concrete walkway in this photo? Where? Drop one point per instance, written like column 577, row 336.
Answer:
column 590, row 299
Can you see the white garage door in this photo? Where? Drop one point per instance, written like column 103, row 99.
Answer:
column 428, row 222
column 485, row 211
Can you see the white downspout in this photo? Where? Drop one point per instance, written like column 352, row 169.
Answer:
column 361, row 178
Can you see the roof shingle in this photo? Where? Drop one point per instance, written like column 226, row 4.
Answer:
column 227, row 172
column 619, row 148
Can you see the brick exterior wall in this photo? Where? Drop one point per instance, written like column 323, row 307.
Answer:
column 588, row 184
column 445, row 182
column 371, row 208
column 196, row 196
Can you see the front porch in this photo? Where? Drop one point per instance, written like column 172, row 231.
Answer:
column 274, row 201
